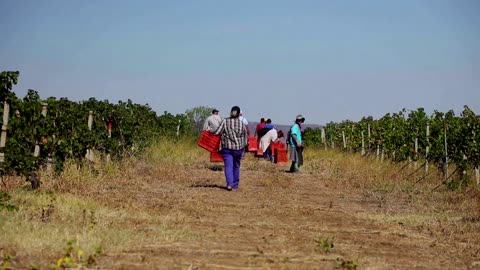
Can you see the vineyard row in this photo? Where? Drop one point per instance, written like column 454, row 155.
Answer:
column 411, row 136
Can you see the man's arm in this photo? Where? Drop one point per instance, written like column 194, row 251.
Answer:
column 220, row 128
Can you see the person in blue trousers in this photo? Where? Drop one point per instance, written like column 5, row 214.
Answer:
column 233, row 141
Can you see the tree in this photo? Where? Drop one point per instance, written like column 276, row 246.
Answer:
column 197, row 115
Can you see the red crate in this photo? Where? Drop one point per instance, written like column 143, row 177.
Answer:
column 252, row 144
column 259, row 152
column 216, row 157
column 277, row 145
column 209, row 141
column 281, row 156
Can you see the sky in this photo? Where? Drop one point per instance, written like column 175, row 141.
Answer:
column 327, row 60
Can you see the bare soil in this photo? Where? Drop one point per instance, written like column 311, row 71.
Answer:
column 273, row 220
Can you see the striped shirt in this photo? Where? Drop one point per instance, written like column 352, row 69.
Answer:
column 234, row 134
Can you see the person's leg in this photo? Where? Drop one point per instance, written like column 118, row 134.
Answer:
column 237, row 157
column 228, row 161
column 293, row 158
column 293, row 166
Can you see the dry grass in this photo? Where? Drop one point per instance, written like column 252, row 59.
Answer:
column 160, row 201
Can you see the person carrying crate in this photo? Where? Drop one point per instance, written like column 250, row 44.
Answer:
column 233, row 142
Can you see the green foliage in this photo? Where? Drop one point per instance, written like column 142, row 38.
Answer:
column 395, row 134
column 5, row 262
column 4, row 204
column 75, row 257
column 324, row 244
column 7, row 80
column 197, row 115
column 346, row 264
column 118, row 130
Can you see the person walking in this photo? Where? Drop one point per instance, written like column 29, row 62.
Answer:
column 233, row 141
column 212, row 122
column 296, row 144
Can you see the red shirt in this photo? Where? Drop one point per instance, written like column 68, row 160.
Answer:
column 259, row 127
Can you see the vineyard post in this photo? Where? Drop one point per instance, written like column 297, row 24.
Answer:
column 109, row 128
column 3, row 138
column 324, row 141
column 178, row 128
column 89, row 155
column 383, row 154
column 344, row 140
column 378, row 152
column 363, row 144
column 369, row 140
column 332, row 140
column 446, row 151
column 427, row 149
column 350, row 139
column 416, row 153
column 36, row 151
column 477, row 175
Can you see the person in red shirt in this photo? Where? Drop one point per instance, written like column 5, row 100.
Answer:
column 259, row 127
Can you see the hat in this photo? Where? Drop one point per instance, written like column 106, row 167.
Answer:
column 300, row 117
column 235, row 111
column 214, row 111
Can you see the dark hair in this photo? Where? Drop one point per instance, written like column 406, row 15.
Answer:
column 280, row 134
column 269, row 121
column 262, row 120
column 235, row 112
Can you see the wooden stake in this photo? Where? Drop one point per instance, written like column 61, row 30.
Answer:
column 344, row 140
column 477, row 175
column 415, row 165
column 378, row 152
column 324, row 141
column 90, row 120
column 44, row 109
column 178, row 128
column 89, row 156
column 36, row 151
column 369, row 137
column 446, row 151
column 363, row 144
column 427, row 149
column 3, row 136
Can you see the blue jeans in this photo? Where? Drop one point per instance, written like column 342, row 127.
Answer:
column 231, row 159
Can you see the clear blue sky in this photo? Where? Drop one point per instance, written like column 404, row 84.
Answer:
column 328, row 60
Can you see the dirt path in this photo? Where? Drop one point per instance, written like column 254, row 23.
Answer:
column 272, row 223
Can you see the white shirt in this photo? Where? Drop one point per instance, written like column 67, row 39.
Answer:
column 244, row 120
column 269, row 137
column 212, row 122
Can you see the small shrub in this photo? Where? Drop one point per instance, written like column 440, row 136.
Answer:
column 324, row 244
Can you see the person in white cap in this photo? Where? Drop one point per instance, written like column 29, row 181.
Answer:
column 296, row 144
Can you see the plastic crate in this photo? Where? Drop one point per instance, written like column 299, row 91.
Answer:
column 252, row 144
column 259, row 152
column 281, row 156
column 277, row 145
column 216, row 157
column 209, row 141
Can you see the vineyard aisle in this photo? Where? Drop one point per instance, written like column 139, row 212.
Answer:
column 283, row 221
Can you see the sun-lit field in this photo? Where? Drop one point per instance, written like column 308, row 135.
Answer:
column 169, row 210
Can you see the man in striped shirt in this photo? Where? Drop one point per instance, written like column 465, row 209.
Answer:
column 233, row 142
